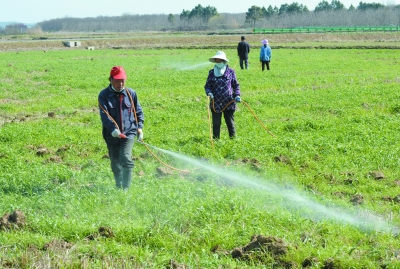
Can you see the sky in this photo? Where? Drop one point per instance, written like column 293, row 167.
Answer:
column 33, row 11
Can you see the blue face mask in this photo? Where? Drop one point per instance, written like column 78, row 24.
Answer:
column 220, row 65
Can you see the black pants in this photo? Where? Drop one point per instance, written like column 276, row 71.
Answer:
column 246, row 63
column 229, row 120
column 263, row 64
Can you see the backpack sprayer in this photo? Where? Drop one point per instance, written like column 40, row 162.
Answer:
column 123, row 136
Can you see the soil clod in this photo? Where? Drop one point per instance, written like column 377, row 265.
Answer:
column 15, row 220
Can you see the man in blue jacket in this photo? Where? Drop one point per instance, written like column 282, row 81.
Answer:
column 122, row 119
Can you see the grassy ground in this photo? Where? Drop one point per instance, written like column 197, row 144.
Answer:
column 323, row 193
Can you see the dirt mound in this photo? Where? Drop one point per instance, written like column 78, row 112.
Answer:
column 261, row 243
column 57, row 245
column 103, row 231
column 15, row 220
column 263, row 249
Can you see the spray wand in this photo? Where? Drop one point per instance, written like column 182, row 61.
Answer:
column 158, row 159
column 123, row 136
column 259, row 121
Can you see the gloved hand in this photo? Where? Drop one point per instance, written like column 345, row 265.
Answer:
column 140, row 135
column 116, row 133
column 237, row 99
column 211, row 95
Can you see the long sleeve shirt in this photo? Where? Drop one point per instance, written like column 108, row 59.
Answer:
column 243, row 49
column 126, row 116
column 265, row 54
column 224, row 88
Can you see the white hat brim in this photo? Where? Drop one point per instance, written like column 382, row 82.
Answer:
column 212, row 59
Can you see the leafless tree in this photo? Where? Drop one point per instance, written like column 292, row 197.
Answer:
column 333, row 17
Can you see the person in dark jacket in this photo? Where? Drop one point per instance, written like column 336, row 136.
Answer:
column 265, row 54
column 224, row 91
column 243, row 50
column 122, row 120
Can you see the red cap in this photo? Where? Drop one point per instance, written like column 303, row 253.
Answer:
column 118, row 72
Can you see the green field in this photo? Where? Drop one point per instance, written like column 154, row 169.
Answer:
column 323, row 193
column 309, row 30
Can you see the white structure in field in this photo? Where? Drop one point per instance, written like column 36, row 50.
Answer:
column 72, row 43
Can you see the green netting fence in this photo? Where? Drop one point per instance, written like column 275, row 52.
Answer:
column 325, row 30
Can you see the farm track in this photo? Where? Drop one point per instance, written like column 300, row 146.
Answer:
column 204, row 41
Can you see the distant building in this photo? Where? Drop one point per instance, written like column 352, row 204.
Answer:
column 72, row 43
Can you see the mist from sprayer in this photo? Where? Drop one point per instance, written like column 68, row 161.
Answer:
column 195, row 66
column 292, row 199
column 181, row 65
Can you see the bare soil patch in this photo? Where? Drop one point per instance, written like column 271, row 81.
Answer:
column 15, row 220
column 203, row 41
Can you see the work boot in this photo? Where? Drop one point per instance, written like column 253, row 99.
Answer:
column 126, row 178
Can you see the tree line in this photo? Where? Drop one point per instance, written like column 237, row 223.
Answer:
column 256, row 13
column 325, row 14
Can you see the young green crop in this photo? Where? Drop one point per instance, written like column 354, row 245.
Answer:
column 334, row 113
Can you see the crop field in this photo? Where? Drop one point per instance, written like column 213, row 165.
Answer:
column 312, row 179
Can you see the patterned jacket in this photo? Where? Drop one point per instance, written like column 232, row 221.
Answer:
column 224, row 88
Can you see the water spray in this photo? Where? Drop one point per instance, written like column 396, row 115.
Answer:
column 291, row 198
column 297, row 200
column 195, row 66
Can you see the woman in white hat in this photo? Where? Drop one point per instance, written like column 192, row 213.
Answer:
column 224, row 91
column 265, row 54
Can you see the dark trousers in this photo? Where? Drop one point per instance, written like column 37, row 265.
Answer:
column 263, row 64
column 229, row 120
column 245, row 61
column 121, row 162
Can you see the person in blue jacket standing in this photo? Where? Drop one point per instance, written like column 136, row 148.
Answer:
column 265, row 54
column 122, row 120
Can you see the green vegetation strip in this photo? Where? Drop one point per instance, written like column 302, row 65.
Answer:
column 325, row 30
